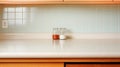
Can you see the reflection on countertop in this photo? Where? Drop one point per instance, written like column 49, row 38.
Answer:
column 58, row 43
column 46, row 48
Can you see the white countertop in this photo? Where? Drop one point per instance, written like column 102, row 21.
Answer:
column 79, row 48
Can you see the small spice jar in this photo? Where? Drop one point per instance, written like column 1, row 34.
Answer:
column 62, row 34
column 55, row 35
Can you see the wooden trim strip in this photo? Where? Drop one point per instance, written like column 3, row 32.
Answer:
column 59, row 60
column 61, row 2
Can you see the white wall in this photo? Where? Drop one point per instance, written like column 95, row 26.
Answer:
column 76, row 18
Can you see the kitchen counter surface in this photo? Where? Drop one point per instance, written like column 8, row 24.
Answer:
column 43, row 48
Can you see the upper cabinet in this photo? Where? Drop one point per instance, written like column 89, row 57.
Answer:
column 89, row 0
column 59, row 1
column 29, row 1
column 116, row 0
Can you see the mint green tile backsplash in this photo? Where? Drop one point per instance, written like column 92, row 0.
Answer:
column 76, row 18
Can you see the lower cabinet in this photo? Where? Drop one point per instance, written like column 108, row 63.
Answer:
column 59, row 62
column 31, row 64
column 94, row 65
column 55, row 65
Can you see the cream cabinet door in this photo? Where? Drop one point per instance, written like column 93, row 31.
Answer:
column 88, row 0
column 31, row 64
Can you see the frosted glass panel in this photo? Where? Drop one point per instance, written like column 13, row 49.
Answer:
column 10, row 9
column 76, row 18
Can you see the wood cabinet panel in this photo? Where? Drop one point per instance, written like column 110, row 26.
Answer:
column 58, row 2
column 116, row 0
column 31, row 64
column 29, row 0
column 89, row 0
column 93, row 65
column 80, row 65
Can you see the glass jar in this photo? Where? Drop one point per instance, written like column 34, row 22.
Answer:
column 62, row 34
column 55, row 35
